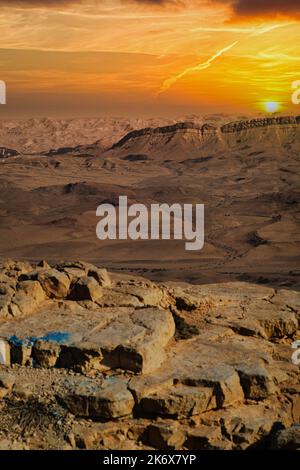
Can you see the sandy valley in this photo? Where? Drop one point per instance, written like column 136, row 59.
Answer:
column 245, row 172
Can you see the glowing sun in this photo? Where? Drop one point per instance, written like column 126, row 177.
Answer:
column 271, row 106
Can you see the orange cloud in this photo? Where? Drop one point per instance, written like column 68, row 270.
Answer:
column 38, row 3
column 262, row 8
column 239, row 8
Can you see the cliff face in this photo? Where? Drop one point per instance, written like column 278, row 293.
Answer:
column 206, row 128
column 172, row 129
column 94, row 136
column 253, row 123
column 193, row 139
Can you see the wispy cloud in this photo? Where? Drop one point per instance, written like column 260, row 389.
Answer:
column 169, row 82
column 204, row 65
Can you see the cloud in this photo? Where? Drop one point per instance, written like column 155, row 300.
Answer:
column 172, row 4
column 265, row 7
column 168, row 83
column 238, row 8
column 149, row 3
column 261, row 8
column 37, row 3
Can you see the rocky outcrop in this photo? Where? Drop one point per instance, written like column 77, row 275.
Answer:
column 174, row 128
column 85, row 288
column 260, row 122
column 96, row 346
column 23, row 288
column 109, row 400
column 287, row 439
column 206, row 128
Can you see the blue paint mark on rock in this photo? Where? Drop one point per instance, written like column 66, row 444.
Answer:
column 59, row 337
column 15, row 341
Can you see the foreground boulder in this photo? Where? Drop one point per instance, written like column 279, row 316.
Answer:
column 257, row 382
column 28, row 296
column 108, row 400
column 85, row 288
column 287, row 439
column 90, row 359
column 55, row 284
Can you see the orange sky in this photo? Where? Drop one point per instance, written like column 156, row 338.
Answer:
column 96, row 57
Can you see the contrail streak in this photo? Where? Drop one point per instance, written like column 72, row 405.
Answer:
column 172, row 80
column 169, row 82
column 269, row 28
column 253, row 31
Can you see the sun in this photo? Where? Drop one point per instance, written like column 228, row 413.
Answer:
column 271, row 106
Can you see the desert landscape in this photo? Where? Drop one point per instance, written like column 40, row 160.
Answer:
column 149, row 339
column 142, row 344
column 55, row 173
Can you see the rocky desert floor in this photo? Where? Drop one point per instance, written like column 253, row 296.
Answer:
column 143, row 345
column 96, row 360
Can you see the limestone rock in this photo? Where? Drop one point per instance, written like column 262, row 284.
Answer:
column 85, row 288
column 14, row 268
column 20, row 351
column 43, row 264
column 287, row 439
column 118, row 298
column 148, row 296
column 137, row 341
column 7, row 291
column 101, row 275
column 259, row 122
column 56, row 284
column 225, row 381
column 78, row 265
column 250, row 425
column 144, row 385
column 147, row 355
column 205, row 437
column 121, row 359
column 276, row 322
column 28, row 296
column 7, row 288
column 178, row 402
column 164, row 436
column 111, row 400
column 4, row 306
column 82, row 357
column 45, row 353
column 256, row 381
column 109, row 435
column 32, row 289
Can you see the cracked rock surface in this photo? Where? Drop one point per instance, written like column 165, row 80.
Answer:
column 98, row 360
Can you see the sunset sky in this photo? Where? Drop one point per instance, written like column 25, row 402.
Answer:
column 143, row 57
